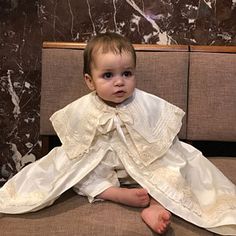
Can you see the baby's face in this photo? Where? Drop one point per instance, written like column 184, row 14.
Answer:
column 112, row 76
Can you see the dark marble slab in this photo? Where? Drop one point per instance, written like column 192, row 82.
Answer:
column 204, row 22
column 24, row 25
column 20, row 79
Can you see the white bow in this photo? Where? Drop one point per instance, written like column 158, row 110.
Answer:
column 111, row 120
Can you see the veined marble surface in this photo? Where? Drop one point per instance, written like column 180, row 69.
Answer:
column 205, row 22
column 24, row 25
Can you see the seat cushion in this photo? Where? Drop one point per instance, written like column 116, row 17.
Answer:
column 72, row 215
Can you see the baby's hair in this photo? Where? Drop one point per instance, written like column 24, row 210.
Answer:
column 107, row 42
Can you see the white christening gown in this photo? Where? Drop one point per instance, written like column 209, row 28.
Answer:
column 142, row 134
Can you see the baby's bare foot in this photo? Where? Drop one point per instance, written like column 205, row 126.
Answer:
column 156, row 217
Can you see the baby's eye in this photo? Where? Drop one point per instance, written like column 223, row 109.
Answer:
column 127, row 73
column 107, row 75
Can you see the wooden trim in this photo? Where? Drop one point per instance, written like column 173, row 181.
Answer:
column 161, row 48
column 61, row 45
column 213, row 49
column 138, row 47
column 150, row 47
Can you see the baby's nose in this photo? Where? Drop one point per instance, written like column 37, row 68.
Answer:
column 119, row 80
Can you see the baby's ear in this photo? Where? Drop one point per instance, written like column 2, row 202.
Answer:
column 89, row 81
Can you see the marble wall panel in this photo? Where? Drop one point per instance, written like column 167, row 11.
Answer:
column 24, row 25
column 204, row 22
column 20, row 79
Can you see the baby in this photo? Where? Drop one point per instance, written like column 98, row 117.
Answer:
column 109, row 69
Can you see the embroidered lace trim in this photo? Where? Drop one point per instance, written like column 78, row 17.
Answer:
column 173, row 185
column 19, row 199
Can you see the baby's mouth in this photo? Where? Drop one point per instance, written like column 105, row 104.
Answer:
column 120, row 93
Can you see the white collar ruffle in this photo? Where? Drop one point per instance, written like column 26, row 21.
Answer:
column 151, row 122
